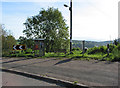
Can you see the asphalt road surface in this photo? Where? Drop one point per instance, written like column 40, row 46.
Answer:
column 9, row 79
column 91, row 73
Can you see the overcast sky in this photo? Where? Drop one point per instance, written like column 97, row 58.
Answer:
column 95, row 20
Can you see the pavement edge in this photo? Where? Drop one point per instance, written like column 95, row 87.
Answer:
column 61, row 82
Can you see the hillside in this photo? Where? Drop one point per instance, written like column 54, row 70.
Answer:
column 89, row 44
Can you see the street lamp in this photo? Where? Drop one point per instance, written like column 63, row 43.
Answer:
column 70, row 8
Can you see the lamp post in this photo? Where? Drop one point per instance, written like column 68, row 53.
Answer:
column 70, row 8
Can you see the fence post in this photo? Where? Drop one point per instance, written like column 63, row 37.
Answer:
column 83, row 46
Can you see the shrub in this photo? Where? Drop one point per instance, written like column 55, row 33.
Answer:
column 118, row 46
column 94, row 50
column 13, row 55
column 75, row 49
column 103, row 49
column 116, row 54
column 28, row 50
column 21, row 55
column 111, row 47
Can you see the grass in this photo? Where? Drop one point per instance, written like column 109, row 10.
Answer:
column 52, row 54
column 75, row 82
column 77, row 55
column 114, row 55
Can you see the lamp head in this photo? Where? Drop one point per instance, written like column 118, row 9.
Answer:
column 66, row 5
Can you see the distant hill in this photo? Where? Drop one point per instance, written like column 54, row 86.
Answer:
column 119, row 40
column 89, row 44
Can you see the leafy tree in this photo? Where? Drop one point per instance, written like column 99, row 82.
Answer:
column 7, row 41
column 27, row 42
column 50, row 25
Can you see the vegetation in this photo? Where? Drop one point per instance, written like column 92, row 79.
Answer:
column 114, row 52
column 97, row 53
column 50, row 25
column 7, row 41
column 89, row 44
column 75, row 82
column 29, row 43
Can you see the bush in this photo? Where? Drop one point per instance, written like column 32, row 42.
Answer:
column 28, row 50
column 118, row 46
column 75, row 49
column 116, row 54
column 94, row 50
column 21, row 55
column 111, row 47
column 12, row 55
column 103, row 49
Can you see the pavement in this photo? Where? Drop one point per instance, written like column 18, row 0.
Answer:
column 9, row 79
column 90, row 73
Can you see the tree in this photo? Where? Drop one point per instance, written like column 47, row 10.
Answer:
column 29, row 43
column 50, row 25
column 7, row 41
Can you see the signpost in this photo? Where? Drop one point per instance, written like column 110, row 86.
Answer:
column 19, row 47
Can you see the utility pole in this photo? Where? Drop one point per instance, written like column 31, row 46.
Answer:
column 70, row 26
column 70, row 8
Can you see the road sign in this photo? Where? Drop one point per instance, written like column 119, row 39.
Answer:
column 18, row 47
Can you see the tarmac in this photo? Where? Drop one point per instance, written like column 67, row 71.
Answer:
column 66, row 71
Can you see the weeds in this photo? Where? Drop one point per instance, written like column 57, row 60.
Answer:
column 97, row 53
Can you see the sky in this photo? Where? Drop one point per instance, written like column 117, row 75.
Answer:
column 93, row 20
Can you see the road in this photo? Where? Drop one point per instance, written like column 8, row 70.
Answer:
column 91, row 73
column 9, row 79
